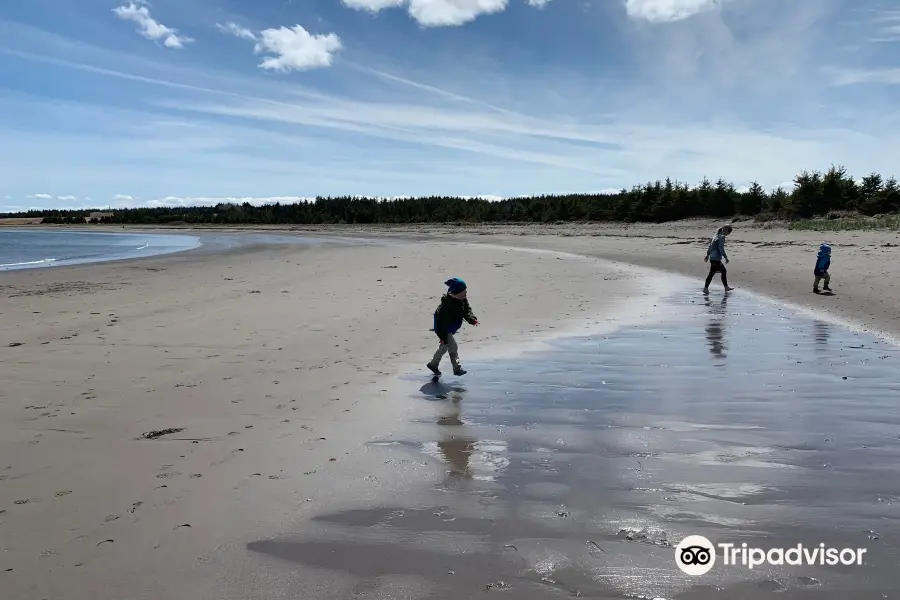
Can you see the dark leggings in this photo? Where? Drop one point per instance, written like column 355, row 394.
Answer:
column 716, row 265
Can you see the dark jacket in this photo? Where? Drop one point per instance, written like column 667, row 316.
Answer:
column 449, row 316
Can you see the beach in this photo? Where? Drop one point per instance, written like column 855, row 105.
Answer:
column 191, row 425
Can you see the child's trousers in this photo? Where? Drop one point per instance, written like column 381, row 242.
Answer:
column 824, row 276
column 450, row 347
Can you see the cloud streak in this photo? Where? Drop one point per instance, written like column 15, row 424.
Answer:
column 149, row 27
column 237, row 31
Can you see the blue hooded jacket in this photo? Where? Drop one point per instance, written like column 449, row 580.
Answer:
column 823, row 259
column 716, row 250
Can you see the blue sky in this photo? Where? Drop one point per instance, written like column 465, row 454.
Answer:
column 127, row 103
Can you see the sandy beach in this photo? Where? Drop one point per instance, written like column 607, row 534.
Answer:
column 265, row 370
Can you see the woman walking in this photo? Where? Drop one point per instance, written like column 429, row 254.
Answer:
column 715, row 254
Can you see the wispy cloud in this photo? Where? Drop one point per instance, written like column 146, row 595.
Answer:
column 665, row 11
column 67, row 198
column 40, row 197
column 237, row 31
column 123, row 198
column 887, row 26
column 844, row 77
column 149, row 27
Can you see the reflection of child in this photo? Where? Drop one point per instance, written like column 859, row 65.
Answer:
column 448, row 318
column 823, row 261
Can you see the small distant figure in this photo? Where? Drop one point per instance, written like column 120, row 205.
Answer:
column 823, row 261
column 715, row 254
column 448, row 319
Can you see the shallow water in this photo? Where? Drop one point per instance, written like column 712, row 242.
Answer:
column 31, row 249
column 576, row 470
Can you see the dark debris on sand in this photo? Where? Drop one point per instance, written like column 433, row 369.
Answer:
column 152, row 435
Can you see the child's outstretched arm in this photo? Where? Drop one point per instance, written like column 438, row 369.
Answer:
column 469, row 316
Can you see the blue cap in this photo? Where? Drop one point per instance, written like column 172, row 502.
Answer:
column 456, row 285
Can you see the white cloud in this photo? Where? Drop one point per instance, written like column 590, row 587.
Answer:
column 373, row 5
column 665, row 11
column 40, row 197
column 842, row 77
column 123, row 198
column 438, row 13
column 296, row 49
column 149, row 27
column 237, row 31
column 67, row 198
column 538, row 3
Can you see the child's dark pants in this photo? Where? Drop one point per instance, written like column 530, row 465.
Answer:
column 717, row 266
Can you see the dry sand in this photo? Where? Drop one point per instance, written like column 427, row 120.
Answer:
column 275, row 364
column 278, row 363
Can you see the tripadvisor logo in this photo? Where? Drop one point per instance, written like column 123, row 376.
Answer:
column 695, row 555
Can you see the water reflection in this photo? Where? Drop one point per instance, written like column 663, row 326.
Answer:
column 714, row 328
column 821, row 333
column 455, row 449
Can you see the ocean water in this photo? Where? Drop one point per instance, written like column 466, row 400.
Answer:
column 35, row 249
column 576, row 470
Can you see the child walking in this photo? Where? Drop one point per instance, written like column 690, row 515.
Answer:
column 823, row 261
column 715, row 253
column 448, row 318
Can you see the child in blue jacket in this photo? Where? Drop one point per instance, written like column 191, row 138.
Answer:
column 448, row 318
column 823, row 261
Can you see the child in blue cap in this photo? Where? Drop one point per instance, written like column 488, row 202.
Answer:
column 823, row 261
column 448, row 318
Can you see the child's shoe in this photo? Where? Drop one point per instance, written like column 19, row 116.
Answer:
column 459, row 371
column 434, row 369
column 816, row 290
column 826, row 288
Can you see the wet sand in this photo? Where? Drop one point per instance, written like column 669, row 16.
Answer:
column 158, row 415
column 575, row 470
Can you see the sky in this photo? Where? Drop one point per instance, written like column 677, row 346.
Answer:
column 127, row 103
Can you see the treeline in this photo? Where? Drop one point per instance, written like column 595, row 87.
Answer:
column 814, row 194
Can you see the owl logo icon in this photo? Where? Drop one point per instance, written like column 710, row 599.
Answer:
column 695, row 555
